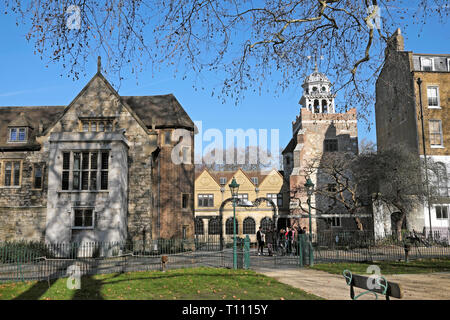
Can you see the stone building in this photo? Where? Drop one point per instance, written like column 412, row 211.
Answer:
column 317, row 131
column 100, row 169
column 398, row 120
column 213, row 203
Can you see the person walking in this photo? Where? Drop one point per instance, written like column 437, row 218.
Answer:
column 287, row 240
column 260, row 239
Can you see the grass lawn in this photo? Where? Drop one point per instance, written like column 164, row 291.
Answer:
column 389, row 267
column 184, row 284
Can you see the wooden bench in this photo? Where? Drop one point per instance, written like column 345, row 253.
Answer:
column 380, row 286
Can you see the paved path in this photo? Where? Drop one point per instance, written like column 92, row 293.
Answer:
column 430, row 286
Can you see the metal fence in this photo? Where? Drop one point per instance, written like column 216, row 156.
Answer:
column 20, row 261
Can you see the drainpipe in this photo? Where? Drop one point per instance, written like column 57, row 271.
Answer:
column 419, row 82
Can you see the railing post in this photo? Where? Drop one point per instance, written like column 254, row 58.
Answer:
column 247, row 252
column 300, row 250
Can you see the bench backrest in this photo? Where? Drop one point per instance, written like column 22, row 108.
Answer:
column 393, row 289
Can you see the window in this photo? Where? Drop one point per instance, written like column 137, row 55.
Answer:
column 441, row 212
column 83, row 170
column 17, row 135
column 243, row 196
column 266, row 224
column 249, row 226
column 199, row 227
column 223, row 180
column 435, row 133
column 426, row 63
column 205, row 200
column 335, row 221
column 167, row 138
column 186, row 151
column 433, row 97
column 83, row 218
column 330, row 145
column 214, row 226
column 184, row 232
column 440, row 182
column 185, row 200
column 96, row 125
column 229, row 226
column 277, row 199
column 255, row 180
column 11, row 173
column 37, row 176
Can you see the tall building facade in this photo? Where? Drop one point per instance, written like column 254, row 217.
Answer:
column 400, row 104
column 317, row 130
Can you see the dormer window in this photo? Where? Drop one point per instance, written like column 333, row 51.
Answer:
column 17, row 135
column 255, row 180
column 426, row 64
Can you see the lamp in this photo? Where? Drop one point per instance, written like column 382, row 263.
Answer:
column 234, row 189
column 309, row 185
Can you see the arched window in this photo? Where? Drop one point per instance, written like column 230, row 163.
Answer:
column 316, row 106
column 213, row 226
column 229, row 226
column 324, row 106
column 199, row 227
column 266, row 224
column 249, row 226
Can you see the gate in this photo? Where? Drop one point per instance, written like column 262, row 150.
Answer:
column 297, row 253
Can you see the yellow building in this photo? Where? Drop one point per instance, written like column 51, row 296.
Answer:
column 213, row 206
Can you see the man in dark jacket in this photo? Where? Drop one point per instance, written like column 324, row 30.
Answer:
column 260, row 239
column 269, row 240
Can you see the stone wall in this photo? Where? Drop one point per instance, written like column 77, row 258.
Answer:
column 22, row 223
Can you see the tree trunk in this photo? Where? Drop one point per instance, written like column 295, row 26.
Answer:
column 398, row 225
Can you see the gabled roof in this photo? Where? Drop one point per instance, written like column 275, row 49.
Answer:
column 44, row 114
column 164, row 109
column 21, row 121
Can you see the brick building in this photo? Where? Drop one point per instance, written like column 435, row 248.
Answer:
column 317, row 131
column 99, row 169
column 398, row 120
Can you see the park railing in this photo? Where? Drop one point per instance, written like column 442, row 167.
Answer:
column 24, row 260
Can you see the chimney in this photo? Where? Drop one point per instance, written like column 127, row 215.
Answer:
column 396, row 42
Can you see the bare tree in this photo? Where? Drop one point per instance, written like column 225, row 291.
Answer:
column 251, row 158
column 350, row 183
column 397, row 180
column 243, row 42
column 338, row 189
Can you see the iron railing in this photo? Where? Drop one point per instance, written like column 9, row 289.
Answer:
column 24, row 260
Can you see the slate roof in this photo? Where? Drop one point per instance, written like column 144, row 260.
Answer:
column 12, row 116
column 164, row 109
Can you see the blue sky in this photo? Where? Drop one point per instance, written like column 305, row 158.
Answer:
column 25, row 81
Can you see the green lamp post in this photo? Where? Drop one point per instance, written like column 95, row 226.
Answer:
column 309, row 185
column 234, row 188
